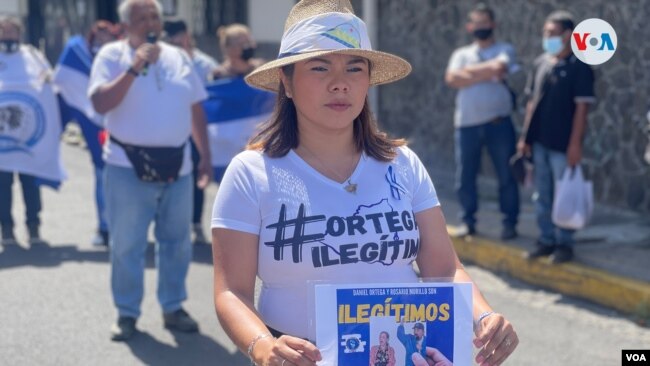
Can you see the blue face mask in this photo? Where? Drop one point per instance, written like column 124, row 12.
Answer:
column 552, row 45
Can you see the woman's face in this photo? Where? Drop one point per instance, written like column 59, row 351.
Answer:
column 329, row 91
column 383, row 338
column 238, row 43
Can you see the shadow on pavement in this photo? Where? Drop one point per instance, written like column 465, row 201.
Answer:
column 192, row 349
column 45, row 255
column 202, row 253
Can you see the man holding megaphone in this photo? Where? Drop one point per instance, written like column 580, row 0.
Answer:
column 151, row 98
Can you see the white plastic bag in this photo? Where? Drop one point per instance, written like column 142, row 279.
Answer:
column 573, row 203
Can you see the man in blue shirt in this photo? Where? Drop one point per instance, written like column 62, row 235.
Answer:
column 417, row 352
column 415, row 343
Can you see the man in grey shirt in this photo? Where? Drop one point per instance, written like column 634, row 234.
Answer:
column 482, row 117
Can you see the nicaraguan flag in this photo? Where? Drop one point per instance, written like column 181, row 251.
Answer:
column 71, row 77
column 233, row 111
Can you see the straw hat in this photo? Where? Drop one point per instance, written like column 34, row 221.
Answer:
column 322, row 27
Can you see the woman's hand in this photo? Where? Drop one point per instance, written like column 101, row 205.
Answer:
column 496, row 338
column 287, row 351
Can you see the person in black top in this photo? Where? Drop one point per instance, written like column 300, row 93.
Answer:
column 560, row 89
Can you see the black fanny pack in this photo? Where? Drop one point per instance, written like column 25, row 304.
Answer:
column 154, row 164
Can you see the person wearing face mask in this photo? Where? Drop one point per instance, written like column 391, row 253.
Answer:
column 176, row 33
column 30, row 128
column 71, row 77
column 482, row 118
column 235, row 108
column 560, row 89
column 238, row 50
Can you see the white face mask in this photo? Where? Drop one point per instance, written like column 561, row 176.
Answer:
column 552, row 45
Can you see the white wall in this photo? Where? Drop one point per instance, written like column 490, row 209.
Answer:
column 266, row 18
column 13, row 7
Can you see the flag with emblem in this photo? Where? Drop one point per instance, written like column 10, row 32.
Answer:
column 30, row 124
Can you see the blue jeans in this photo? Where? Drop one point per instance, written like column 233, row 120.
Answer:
column 549, row 166
column 90, row 133
column 31, row 197
column 499, row 138
column 131, row 206
column 100, row 201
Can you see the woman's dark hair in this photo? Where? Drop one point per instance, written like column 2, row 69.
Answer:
column 280, row 134
column 386, row 333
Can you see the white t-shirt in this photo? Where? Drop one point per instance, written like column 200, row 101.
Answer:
column 311, row 228
column 204, row 65
column 156, row 111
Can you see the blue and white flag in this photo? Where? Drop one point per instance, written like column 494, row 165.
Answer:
column 233, row 111
column 71, row 76
column 30, row 124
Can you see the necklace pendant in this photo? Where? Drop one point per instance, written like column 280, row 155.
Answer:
column 351, row 187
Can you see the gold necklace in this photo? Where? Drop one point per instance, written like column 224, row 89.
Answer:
column 350, row 187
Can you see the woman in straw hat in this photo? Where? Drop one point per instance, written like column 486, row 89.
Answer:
column 321, row 194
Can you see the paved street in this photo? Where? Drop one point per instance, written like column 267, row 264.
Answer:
column 57, row 309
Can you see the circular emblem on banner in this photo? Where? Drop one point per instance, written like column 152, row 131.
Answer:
column 352, row 343
column 594, row 41
column 22, row 122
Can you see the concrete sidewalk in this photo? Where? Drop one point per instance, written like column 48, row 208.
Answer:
column 612, row 262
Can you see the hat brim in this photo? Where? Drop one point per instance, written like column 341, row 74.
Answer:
column 386, row 68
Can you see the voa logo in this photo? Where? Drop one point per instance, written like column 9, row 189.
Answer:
column 635, row 357
column 594, row 41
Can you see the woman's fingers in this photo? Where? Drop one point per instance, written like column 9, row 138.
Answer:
column 296, row 351
column 487, row 329
column 504, row 350
column 498, row 339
